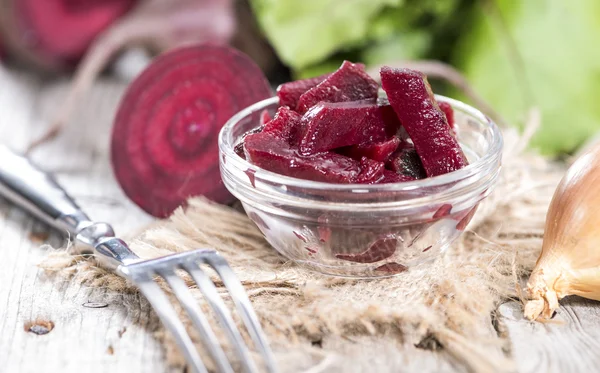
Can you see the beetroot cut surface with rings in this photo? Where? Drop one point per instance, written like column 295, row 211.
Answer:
column 164, row 142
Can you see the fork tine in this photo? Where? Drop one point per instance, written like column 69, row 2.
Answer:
column 213, row 298
column 240, row 298
column 169, row 318
column 198, row 318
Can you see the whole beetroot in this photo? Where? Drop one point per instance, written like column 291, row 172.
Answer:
column 53, row 35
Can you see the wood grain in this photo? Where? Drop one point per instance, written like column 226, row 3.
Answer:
column 568, row 343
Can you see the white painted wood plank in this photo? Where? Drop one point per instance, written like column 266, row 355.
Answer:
column 570, row 342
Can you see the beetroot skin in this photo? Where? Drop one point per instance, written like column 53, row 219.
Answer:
column 405, row 161
column 349, row 83
column 334, row 125
column 289, row 93
column 164, row 140
column 410, row 95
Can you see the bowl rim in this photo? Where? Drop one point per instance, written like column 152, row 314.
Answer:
column 492, row 156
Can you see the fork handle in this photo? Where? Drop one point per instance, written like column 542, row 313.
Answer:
column 37, row 192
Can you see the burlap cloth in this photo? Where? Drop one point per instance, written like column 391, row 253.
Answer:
column 449, row 304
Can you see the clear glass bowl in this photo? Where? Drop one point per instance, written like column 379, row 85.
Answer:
column 358, row 230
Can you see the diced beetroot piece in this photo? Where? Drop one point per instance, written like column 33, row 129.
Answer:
column 443, row 211
column 275, row 154
column 405, row 161
column 300, row 236
column 393, row 127
column 377, row 151
column 381, row 249
column 349, row 83
column 448, row 112
column 164, row 146
column 411, row 97
column 392, row 268
column 239, row 148
column 285, row 124
column 324, row 232
column 393, row 177
column 265, row 117
column 329, row 125
column 370, row 171
column 290, row 92
column 251, row 177
column 464, row 222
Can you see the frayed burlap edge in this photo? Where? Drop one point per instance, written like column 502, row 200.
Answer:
column 450, row 301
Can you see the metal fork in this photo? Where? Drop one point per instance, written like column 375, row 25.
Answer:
column 36, row 191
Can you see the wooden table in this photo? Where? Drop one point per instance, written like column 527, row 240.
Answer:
column 112, row 338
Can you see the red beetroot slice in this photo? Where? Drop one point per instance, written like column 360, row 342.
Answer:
column 381, row 249
column 377, row 151
column 448, row 112
column 273, row 153
column 349, row 83
column 406, row 162
column 329, row 125
column 285, row 124
column 164, row 140
column 59, row 32
column 411, row 97
column 290, row 92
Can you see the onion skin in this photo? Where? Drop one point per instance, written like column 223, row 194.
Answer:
column 569, row 263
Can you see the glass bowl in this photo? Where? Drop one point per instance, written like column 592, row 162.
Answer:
column 357, row 230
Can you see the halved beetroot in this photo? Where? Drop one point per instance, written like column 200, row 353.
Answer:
column 411, row 97
column 405, row 161
column 329, row 125
column 57, row 33
column 164, row 140
column 285, row 124
column 382, row 248
column 448, row 112
column 273, row 153
column 349, row 83
column 289, row 93
column 377, row 151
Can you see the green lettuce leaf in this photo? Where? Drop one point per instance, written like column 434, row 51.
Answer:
column 539, row 52
column 306, row 32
